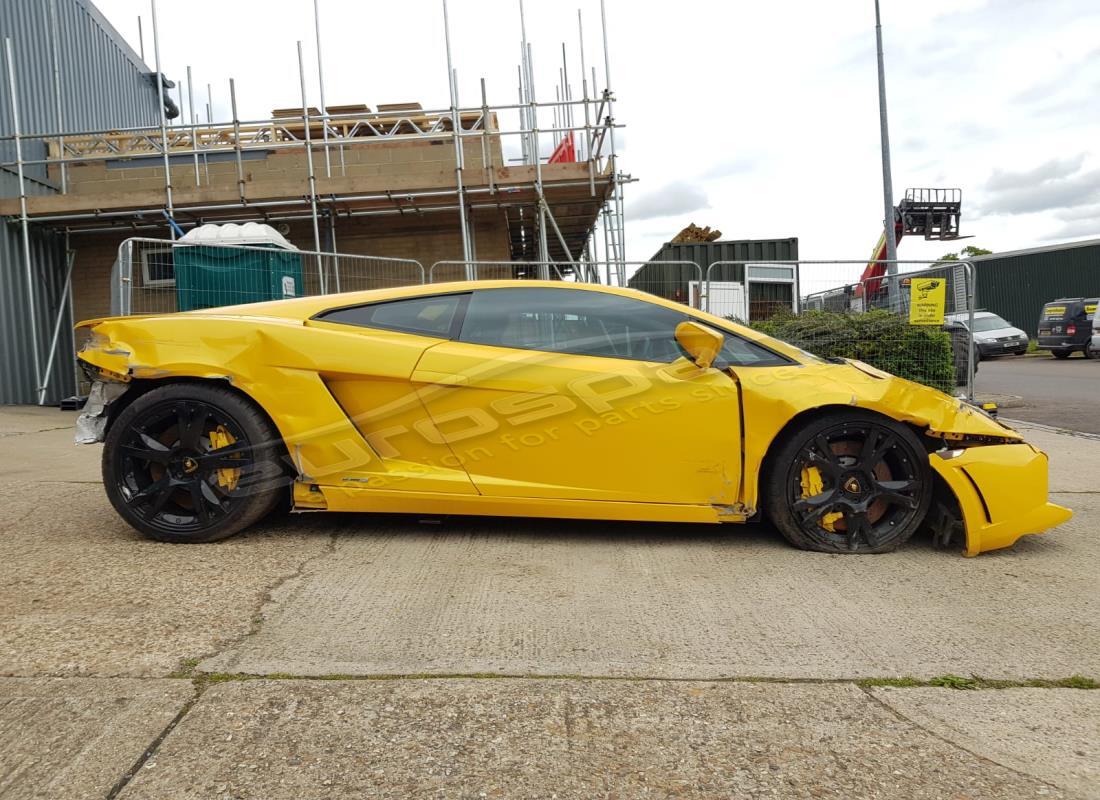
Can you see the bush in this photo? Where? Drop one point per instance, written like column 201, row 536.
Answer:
column 880, row 338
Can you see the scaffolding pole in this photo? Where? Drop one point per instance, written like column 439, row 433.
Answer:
column 70, row 257
column 28, row 269
column 194, row 140
column 163, row 121
column 616, row 193
column 236, row 140
column 309, row 168
column 486, row 148
column 321, row 86
column 56, row 53
column 456, row 127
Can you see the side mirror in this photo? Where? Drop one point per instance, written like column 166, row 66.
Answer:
column 702, row 343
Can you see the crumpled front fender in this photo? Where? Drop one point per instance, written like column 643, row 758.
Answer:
column 1002, row 493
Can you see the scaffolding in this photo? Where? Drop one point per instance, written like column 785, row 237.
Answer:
column 583, row 128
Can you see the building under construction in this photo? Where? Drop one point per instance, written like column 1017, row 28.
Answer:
column 397, row 182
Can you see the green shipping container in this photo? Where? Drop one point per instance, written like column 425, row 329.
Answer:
column 208, row 276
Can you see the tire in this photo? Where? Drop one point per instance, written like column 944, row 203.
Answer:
column 1090, row 351
column 170, row 464
column 875, row 484
column 1062, row 353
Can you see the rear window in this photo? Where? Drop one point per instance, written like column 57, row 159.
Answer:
column 429, row 316
column 1056, row 310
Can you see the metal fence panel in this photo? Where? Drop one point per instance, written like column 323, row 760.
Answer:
column 155, row 276
column 839, row 286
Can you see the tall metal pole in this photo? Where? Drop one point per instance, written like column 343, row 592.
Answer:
column 321, row 82
column 456, row 127
column 163, row 122
column 141, row 39
column 309, row 167
column 887, row 179
column 28, row 270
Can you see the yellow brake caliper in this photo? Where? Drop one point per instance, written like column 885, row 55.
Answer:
column 812, row 486
column 227, row 478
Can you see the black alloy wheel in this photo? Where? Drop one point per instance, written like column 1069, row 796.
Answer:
column 191, row 463
column 849, row 482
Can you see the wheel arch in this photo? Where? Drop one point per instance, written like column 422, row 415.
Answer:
column 141, row 386
column 793, row 425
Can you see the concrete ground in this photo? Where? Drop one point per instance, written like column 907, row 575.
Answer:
column 1063, row 393
column 351, row 656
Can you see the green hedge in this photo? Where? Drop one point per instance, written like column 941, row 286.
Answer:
column 880, row 338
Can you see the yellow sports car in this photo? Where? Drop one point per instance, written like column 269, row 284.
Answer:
column 541, row 399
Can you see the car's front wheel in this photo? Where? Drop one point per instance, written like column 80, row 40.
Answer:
column 189, row 462
column 848, row 482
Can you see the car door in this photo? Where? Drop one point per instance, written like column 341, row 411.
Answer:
column 368, row 370
column 580, row 394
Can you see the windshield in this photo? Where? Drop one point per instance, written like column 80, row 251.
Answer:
column 989, row 324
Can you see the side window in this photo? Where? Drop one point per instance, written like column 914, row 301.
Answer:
column 572, row 321
column 429, row 316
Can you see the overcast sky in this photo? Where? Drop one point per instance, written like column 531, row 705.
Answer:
column 760, row 119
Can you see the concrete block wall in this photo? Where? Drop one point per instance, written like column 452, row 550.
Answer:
column 389, row 159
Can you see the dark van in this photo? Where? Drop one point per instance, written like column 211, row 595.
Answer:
column 1065, row 325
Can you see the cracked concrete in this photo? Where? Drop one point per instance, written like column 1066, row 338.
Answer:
column 540, row 738
column 1053, row 735
column 74, row 738
column 83, row 595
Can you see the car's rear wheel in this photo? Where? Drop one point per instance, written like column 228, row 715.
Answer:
column 189, row 462
column 848, row 482
column 1062, row 353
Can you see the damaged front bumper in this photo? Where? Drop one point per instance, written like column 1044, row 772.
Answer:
column 91, row 425
column 1001, row 491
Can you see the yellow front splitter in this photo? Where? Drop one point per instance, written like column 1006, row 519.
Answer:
column 1002, row 492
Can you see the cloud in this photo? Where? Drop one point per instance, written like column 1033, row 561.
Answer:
column 1054, row 169
column 1077, row 229
column 670, row 200
column 730, row 167
column 1056, row 185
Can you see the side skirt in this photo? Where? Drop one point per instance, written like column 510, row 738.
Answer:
column 309, row 497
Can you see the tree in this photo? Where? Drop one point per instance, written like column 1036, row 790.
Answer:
column 967, row 252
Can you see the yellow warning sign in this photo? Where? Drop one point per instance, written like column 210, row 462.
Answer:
column 926, row 300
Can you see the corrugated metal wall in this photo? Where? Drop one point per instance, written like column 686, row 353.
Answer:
column 1016, row 286
column 671, row 280
column 104, row 85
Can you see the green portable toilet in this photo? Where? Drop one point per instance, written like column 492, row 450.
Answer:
column 223, row 265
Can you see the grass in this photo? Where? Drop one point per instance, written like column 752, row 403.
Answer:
column 977, row 682
column 187, row 667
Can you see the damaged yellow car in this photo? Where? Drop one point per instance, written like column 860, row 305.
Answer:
column 538, row 399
